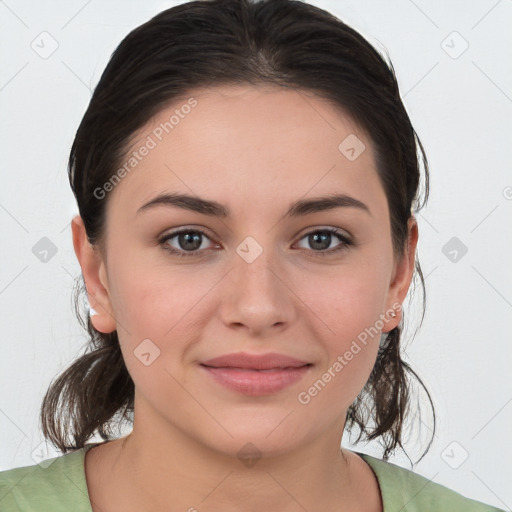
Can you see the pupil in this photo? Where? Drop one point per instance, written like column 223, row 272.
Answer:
column 190, row 242
column 324, row 237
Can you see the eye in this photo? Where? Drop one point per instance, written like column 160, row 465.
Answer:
column 321, row 239
column 189, row 242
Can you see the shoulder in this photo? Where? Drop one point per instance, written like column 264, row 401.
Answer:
column 403, row 489
column 55, row 485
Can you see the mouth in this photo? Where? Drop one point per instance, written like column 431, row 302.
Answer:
column 244, row 361
column 265, row 370
column 256, row 382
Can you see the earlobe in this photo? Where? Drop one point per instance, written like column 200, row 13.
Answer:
column 402, row 277
column 95, row 278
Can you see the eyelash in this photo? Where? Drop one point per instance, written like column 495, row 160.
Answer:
column 346, row 242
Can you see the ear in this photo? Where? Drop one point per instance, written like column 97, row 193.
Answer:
column 95, row 277
column 401, row 278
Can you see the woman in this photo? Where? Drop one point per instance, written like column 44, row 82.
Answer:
column 246, row 176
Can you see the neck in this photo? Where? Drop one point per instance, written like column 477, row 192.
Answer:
column 151, row 469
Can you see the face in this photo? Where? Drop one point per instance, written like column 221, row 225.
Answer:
column 264, row 274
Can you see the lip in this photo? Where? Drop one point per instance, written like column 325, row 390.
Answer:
column 246, row 361
column 256, row 374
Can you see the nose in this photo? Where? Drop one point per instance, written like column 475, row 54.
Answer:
column 256, row 295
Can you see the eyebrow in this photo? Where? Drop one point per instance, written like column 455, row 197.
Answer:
column 215, row 209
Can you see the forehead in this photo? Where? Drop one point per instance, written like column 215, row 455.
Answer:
column 243, row 145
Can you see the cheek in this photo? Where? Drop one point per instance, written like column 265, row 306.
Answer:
column 351, row 352
column 348, row 299
column 347, row 308
column 156, row 311
column 167, row 308
column 154, row 300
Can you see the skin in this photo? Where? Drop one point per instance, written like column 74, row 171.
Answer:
column 255, row 150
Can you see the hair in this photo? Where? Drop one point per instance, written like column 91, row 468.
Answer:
column 285, row 43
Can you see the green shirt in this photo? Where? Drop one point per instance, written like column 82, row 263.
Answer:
column 59, row 485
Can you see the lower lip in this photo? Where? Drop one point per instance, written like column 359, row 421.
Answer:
column 256, row 382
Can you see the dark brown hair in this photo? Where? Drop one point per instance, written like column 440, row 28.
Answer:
column 286, row 43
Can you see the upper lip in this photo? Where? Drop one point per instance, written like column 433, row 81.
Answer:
column 254, row 362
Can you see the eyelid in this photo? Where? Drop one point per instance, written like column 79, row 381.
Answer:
column 331, row 229
column 186, row 229
column 344, row 238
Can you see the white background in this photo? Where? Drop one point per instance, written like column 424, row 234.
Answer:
column 460, row 107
